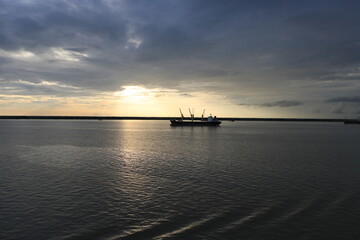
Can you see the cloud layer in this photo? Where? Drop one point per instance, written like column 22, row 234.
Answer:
column 255, row 52
column 283, row 103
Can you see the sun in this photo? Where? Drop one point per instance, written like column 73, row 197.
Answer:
column 134, row 93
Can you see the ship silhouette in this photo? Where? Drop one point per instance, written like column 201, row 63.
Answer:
column 209, row 121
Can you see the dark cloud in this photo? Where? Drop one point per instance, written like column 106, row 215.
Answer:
column 186, row 95
column 60, row 23
column 352, row 99
column 4, row 60
column 283, row 103
column 76, row 49
column 339, row 108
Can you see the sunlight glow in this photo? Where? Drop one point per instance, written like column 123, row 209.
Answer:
column 133, row 93
column 65, row 55
column 137, row 93
column 133, row 43
column 21, row 54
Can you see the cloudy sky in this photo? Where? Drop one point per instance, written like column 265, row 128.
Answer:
column 148, row 58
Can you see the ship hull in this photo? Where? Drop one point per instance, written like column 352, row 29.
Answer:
column 175, row 123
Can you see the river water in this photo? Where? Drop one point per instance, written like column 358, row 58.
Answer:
column 147, row 180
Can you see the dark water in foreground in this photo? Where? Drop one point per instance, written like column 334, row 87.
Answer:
column 146, row 180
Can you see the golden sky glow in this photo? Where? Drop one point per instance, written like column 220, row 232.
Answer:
column 129, row 101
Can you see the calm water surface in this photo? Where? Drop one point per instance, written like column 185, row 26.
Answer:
column 146, row 180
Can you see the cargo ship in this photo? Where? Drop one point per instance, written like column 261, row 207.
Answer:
column 210, row 121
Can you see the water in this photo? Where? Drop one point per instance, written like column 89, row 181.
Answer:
column 146, row 180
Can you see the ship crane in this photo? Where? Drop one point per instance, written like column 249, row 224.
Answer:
column 191, row 115
column 202, row 116
column 182, row 115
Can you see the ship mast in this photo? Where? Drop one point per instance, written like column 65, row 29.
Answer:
column 202, row 116
column 191, row 115
column 182, row 116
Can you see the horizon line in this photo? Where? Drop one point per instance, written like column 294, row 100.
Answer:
column 56, row 117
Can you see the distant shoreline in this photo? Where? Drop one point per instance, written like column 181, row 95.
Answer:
column 169, row 118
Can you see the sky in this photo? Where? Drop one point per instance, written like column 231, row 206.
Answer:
column 149, row 58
